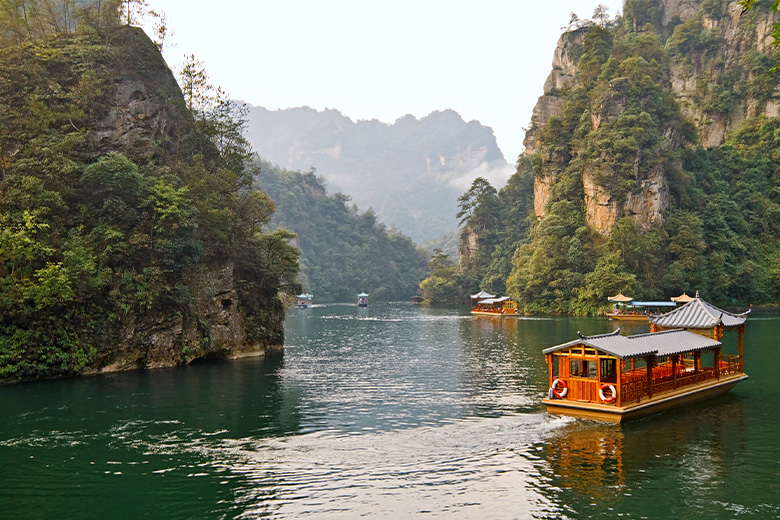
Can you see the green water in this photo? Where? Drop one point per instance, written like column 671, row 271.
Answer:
column 386, row 412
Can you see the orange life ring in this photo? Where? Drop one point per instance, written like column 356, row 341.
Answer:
column 562, row 393
column 613, row 393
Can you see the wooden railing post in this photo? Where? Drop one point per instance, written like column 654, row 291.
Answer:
column 649, row 361
column 717, row 363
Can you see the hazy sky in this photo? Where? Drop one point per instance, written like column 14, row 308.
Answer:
column 379, row 59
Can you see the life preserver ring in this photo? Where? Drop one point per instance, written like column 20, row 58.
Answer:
column 503, row 311
column 613, row 393
column 562, row 393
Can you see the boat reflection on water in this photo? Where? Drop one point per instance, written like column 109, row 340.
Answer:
column 600, row 462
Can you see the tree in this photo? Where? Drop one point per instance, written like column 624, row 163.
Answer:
column 133, row 11
column 194, row 83
column 481, row 192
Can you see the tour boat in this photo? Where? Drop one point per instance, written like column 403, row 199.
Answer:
column 417, row 300
column 362, row 300
column 302, row 301
column 504, row 307
column 615, row 378
column 627, row 308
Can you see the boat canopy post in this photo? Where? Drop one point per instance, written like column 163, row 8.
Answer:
column 741, row 346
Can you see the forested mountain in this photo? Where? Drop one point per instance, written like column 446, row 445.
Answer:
column 651, row 166
column 343, row 251
column 411, row 172
column 130, row 236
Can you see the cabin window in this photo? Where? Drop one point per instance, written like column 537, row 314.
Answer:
column 556, row 361
column 583, row 368
column 609, row 370
column 634, row 364
column 590, row 352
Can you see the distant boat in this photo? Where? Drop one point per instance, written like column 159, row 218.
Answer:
column 626, row 308
column 615, row 378
column 302, row 301
column 417, row 300
column 362, row 300
column 486, row 304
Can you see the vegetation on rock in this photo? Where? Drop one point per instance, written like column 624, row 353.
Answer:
column 117, row 203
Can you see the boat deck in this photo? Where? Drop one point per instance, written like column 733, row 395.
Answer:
column 660, row 401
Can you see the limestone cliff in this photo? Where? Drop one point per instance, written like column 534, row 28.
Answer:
column 714, row 52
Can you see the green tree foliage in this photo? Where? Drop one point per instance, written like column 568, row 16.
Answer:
column 446, row 282
column 343, row 251
column 94, row 238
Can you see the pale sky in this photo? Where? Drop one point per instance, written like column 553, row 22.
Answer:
column 379, row 59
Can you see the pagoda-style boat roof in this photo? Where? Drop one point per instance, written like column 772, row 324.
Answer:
column 698, row 314
column 482, row 295
column 666, row 343
column 683, row 298
column 362, row 295
column 620, row 298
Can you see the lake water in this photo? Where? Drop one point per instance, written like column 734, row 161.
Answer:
column 387, row 412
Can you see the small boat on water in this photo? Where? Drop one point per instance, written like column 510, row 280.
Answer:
column 615, row 378
column 486, row 304
column 302, row 301
column 362, row 300
column 627, row 308
column 417, row 300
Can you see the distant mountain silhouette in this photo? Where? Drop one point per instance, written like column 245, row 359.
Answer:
column 410, row 172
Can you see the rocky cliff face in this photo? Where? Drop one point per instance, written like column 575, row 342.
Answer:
column 697, row 79
column 147, row 106
column 700, row 82
column 216, row 329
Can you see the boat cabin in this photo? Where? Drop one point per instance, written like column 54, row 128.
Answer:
column 612, row 377
column 501, row 307
column 302, row 301
column 362, row 300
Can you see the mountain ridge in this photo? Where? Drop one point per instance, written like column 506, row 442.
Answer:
column 410, row 172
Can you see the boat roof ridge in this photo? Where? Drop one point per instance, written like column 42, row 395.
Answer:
column 635, row 336
column 605, row 335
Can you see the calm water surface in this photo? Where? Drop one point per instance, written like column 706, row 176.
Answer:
column 389, row 411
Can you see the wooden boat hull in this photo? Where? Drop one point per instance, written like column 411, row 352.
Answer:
column 665, row 401
column 494, row 314
column 628, row 317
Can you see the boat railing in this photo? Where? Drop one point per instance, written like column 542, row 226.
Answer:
column 634, row 387
column 730, row 365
